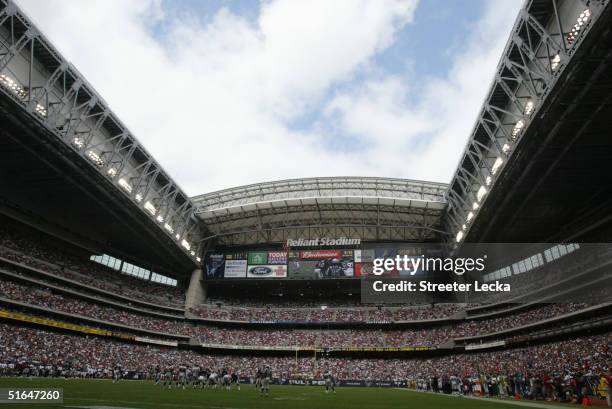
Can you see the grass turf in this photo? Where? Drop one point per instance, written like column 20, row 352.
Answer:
column 146, row 395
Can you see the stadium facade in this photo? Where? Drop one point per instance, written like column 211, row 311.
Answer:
column 535, row 170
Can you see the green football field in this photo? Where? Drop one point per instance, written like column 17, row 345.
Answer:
column 97, row 394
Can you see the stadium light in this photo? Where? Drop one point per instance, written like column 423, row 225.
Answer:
column 580, row 22
column 555, row 61
column 150, row 208
column 40, row 110
column 529, row 107
column 125, row 185
column 496, row 165
column 518, row 127
column 481, row 192
column 464, row 227
column 95, row 158
column 169, row 228
column 469, row 217
column 505, row 148
column 160, row 218
column 78, row 142
column 112, row 172
column 138, row 197
column 177, row 236
column 459, row 236
column 475, row 206
column 192, row 253
column 198, row 259
column 12, row 85
column 185, row 244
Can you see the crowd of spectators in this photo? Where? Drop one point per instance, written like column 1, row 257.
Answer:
column 379, row 337
column 325, row 314
column 544, row 371
column 29, row 249
column 209, row 334
column 41, row 297
column 52, row 283
column 328, row 338
column 250, row 302
column 478, row 327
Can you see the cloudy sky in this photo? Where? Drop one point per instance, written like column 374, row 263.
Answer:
column 231, row 92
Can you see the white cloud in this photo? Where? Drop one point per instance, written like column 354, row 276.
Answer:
column 214, row 102
column 431, row 133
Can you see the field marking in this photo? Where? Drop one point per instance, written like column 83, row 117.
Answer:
column 98, row 407
column 180, row 405
column 494, row 400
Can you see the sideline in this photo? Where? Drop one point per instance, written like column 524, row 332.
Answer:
column 527, row 404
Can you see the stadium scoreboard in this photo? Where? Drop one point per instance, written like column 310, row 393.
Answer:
column 303, row 262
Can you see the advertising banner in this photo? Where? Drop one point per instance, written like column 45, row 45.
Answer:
column 267, row 271
column 52, row 323
column 236, row 256
column 235, row 268
column 215, row 264
column 314, row 264
column 258, row 257
column 277, row 257
column 343, row 382
column 363, row 269
column 364, row 256
column 320, row 254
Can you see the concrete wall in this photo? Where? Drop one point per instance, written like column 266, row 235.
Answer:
column 196, row 292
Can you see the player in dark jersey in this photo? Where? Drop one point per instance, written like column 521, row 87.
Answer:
column 236, row 380
column 168, row 378
column 158, row 375
column 258, row 376
column 116, row 374
column 202, row 378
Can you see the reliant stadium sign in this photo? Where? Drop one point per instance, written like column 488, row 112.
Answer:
column 323, row 241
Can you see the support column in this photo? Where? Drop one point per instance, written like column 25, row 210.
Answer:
column 197, row 291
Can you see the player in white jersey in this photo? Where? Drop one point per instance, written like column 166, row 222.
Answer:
column 182, row 377
column 213, row 380
column 329, row 382
column 265, row 381
column 116, row 374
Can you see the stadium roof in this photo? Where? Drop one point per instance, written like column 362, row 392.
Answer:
column 67, row 160
column 372, row 209
column 536, row 167
column 542, row 137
